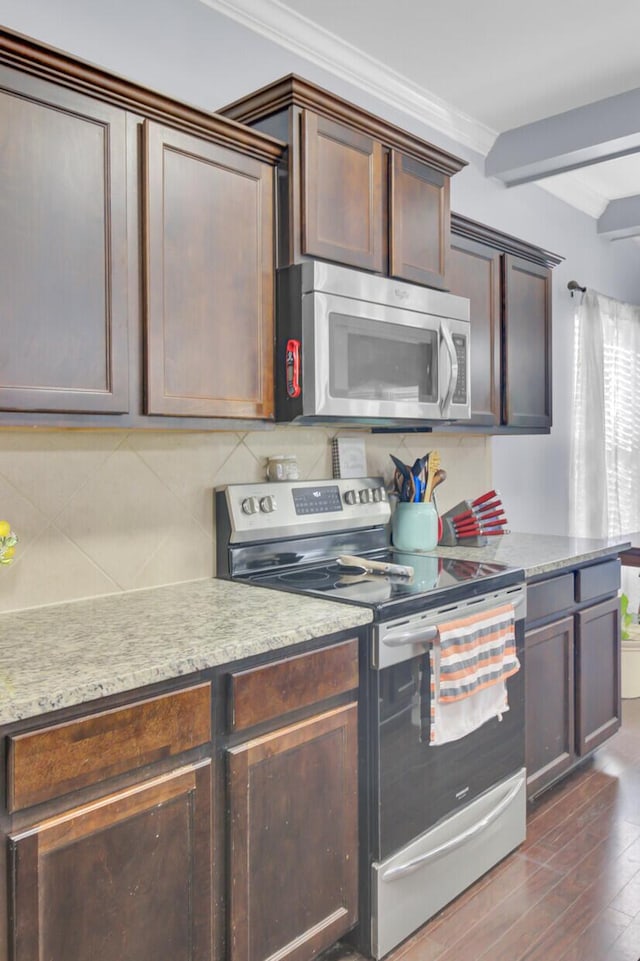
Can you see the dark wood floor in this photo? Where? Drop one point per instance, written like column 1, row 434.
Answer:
column 571, row 892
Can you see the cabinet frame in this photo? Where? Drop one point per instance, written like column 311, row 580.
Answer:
column 30, row 848
column 243, row 760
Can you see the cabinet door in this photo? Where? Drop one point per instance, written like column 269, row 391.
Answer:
column 474, row 272
column 342, row 216
column 419, row 226
column 124, row 877
column 549, row 703
column 293, row 857
column 63, row 250
column 527, row 343
column 598, row 674
column 209, row 278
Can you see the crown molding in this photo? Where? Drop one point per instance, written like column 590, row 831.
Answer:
column 282, row 25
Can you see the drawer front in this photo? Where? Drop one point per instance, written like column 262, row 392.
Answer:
column 54, row 760
column 549, row 597
column 267, row 692
column 597, row 580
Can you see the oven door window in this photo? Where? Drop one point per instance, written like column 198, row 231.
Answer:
column 381, row 360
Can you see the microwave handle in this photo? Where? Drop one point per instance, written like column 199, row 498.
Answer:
column 445, row 402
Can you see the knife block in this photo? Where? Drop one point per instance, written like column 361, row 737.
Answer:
column 449, row 537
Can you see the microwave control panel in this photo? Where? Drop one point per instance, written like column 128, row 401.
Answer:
column 460, row 393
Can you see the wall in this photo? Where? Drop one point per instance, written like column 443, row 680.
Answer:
column 101, row 512
column 81, row 535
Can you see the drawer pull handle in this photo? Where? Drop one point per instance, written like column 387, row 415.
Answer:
column 401, row 870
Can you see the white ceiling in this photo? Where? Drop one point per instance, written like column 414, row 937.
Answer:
column 476, row 69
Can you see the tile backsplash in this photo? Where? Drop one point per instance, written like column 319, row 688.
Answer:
column 100, row 512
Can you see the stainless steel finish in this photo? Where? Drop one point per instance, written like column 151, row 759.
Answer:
column 268, row 504
column 250, row 523
column 358, row 285
column 406, row 637
column 350, row 497
column 445, row 402
column 366, row 496
column 316, row 360
column 414, row 864
column 412, row 885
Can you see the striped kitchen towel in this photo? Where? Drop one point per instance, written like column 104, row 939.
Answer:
column 469, row 667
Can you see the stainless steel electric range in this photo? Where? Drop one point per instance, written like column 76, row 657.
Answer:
column 433, row 818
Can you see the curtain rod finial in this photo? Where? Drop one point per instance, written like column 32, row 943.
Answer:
column 573, row 285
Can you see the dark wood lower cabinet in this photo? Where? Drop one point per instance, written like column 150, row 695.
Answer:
column 549, row 685
column 124, row 877
column 572, row 669
column 598, row 704
column 293, row 838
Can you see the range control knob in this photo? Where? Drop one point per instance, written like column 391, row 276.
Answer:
column 378, row 494
column 366, row 496
column 268, row 504
column 250, row 505
column 350, row 497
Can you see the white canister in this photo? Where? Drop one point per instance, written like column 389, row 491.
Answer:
column 282, row 467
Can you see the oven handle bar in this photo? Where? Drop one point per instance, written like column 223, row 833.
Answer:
column 401, row 870
column 426, row 636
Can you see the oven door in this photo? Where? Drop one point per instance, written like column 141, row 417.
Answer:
column 419, row 784
column 376, row 361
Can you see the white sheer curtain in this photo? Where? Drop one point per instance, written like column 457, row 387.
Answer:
column 605, row 482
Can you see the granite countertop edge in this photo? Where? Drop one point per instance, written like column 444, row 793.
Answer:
column 68, row 654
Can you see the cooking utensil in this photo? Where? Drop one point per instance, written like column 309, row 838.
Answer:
column 419, row 477
column 484, row 498
column 369, row 566
column 432, row 469
column 403, row 480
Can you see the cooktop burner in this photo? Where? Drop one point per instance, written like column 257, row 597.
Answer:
column 432, row 575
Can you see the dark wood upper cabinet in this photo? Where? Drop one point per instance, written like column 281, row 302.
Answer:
column 419, row 221
column 355, row 189
column 125, row 211
column 63, row 250
column 508, row 283
column 209, row 281
column 527, row 343
column 474, row 272
column 342, row 187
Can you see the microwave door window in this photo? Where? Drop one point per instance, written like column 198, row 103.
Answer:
column 382, row 361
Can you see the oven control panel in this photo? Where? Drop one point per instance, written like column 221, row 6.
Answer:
column 263, row 511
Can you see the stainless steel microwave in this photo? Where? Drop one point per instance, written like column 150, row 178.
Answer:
column 356, row 347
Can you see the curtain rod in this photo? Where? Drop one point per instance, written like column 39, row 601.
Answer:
column 573, row 285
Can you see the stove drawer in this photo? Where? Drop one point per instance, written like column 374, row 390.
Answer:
column 264, row 693
column 412, row 885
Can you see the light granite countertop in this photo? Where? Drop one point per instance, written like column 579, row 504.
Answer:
column 66, row 654
column 539, row 553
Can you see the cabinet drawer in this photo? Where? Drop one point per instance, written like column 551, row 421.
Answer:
column 54, row 760
column 597, row 580
column 549, row 597
column 263, row 693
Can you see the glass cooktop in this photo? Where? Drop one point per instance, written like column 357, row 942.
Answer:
column 432, row 576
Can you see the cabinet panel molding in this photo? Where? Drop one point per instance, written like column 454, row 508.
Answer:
column 209, row 278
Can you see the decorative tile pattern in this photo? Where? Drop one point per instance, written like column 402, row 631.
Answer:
column 99, row 512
